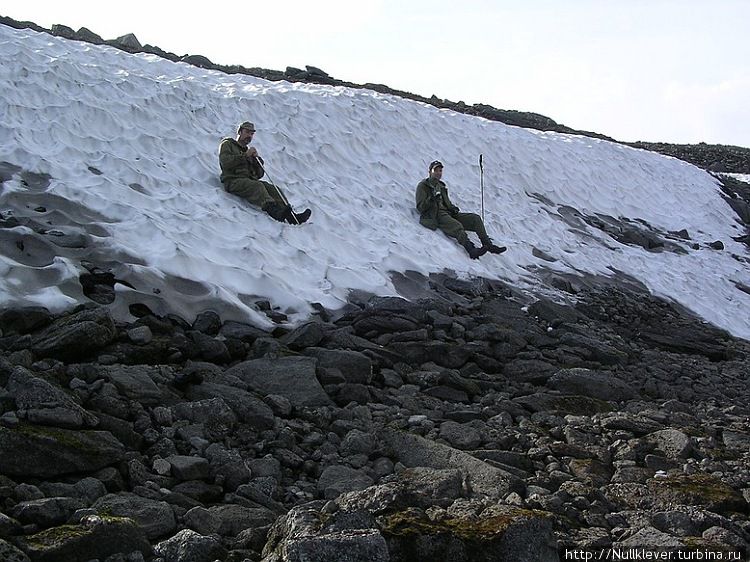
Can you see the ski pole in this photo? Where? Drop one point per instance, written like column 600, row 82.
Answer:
column 481, row 183
column 278, row 190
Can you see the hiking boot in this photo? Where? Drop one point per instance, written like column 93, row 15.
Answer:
column 278, row 211
column 298, row 218
column 473, row 251
column 493, row 249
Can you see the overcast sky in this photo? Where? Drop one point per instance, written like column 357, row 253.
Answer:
column 653, row 70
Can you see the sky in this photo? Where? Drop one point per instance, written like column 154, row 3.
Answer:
column 652, row 70
column 123, row 155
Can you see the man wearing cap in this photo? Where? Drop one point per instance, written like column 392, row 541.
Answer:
column 241, row 170
column 437, row 212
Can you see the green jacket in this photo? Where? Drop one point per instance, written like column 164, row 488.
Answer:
column 235, row 165
column 429, row 205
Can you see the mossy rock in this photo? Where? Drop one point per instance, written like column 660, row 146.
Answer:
column 44, row 452
column 508, row 534
column 99, row 537
column 697, row 490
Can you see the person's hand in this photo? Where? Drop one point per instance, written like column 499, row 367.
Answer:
column 252, row 152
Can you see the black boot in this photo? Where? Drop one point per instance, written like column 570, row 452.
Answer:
column 493, row 249
column 278, row 211
column 473, row 251
column 298, row 218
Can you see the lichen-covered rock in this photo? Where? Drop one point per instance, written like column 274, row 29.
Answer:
column 44, row 452
column 95, row 537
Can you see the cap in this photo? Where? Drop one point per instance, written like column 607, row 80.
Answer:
column 435, row 164
column 246, row 125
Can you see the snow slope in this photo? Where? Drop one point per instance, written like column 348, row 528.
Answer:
column 117, row 155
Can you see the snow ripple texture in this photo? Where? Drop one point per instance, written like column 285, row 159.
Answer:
column 129, row 143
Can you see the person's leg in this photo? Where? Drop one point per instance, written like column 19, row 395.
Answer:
column 451, row 227
column 252, row 191
column 273, row 191
column 474, row 223
column 455, row 229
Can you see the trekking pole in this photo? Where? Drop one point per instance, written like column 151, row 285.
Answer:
column 278, row 190
column 481, row 183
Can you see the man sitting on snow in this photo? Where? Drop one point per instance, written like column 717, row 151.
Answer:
column 437, row 211
column 241, row 170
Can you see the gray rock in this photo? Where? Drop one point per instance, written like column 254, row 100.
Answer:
column 563, row 404
column 354, row 366
column 267, row 466
column 517, row 534
column 202, row 521
column 356, row 442
column 188, row 468
column 155, row 518
column 636, row 424
column 189, row 546
column 9, row 553
column 94, row 538
column 140, row 335
column 594, row 350
column 585, row 382
column 678, row 523
column 337, row 479
column 248, row 408
column 208, row 322
column 75, row 336
column 307, row 335
column 460, row 436
column 415, row 451
column 46, row 404
column 38, row 452
column 242, row 332
column 217, row 418
column 650, row 539
column 128, row 41
column 46, row 512
column 297, row 536
column 672, row 443
column 136, row 382
column 85, row 34
column 236, row 518
column 292, row 377
column 736, row 440
column 88, row 489
column 280, row 405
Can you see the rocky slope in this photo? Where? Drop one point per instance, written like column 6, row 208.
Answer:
column 468, row 425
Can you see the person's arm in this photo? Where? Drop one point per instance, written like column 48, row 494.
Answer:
column 426, row 200
column 256, row 167
column 452, row 209
column 231, row 157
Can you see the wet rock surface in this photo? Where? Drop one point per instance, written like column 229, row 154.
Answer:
column 469, row 424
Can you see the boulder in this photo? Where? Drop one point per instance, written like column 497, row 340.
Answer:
column 247, row 407
column 155, row 518
column 187, row 545
column 585, row 382
column 292, row 377
column 415, row 451
column 337, row 479
column 45, row 403
column 94, row 538
column 76, row 336
column 40, row 452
